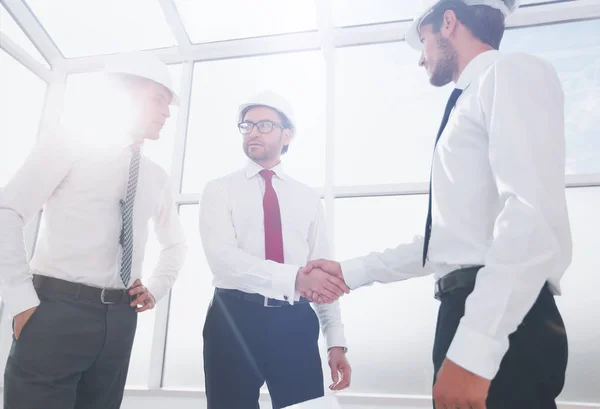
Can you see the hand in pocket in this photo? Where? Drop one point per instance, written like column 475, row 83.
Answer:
column 21, row 319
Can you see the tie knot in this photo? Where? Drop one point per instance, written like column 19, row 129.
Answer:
column 267, row 174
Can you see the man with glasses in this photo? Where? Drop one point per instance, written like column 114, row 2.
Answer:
column 258, row 227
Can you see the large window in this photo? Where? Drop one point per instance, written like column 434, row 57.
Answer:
column 93, row 27
column 214, row 144
column 232, row 19
column 386, row 115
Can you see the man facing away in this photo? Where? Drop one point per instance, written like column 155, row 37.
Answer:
column 75, row 303
column 258, row 227
column 497, row 234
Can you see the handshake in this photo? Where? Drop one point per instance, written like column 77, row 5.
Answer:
column 321, row 281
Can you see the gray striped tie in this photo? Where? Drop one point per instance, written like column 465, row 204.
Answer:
column 127, row 213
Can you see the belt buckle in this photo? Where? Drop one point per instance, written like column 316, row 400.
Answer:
column 102, row 298
column 266, row 304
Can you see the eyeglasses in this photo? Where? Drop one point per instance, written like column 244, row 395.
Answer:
column 263, row 126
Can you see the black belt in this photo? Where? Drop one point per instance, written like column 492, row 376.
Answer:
column 456, row 280
column 258, row 299
column 94, row 294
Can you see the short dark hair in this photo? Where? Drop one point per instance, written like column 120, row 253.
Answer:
column 485, row 22
column 285, row 121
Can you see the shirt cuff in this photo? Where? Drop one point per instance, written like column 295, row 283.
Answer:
column 335, row 337
column 355, row 273
column 476, row 352
column 21, row 298
column 284, row 282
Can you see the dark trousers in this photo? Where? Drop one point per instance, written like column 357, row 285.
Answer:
column 72, row 354
column 532, row 372
column 247, row 344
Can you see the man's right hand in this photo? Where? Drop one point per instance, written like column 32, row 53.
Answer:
column 21, row 319
column 329, row 286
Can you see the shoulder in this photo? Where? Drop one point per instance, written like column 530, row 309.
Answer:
column 519, row 67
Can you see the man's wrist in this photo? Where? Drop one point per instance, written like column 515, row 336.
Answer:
column 343, row 349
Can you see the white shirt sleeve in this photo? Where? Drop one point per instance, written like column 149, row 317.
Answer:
column 169, row 233
column 330, row 315
column 522, row 101
column 251, row 274
column 20, row 200
column 397, row 264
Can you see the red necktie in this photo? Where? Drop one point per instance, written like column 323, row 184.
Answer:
column 273, row 234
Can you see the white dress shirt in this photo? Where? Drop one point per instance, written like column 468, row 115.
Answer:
column 79, row 187
column 233, row 237
column 498, row 199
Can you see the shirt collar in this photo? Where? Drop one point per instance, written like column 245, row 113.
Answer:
column 252, row 169
column 476, row 67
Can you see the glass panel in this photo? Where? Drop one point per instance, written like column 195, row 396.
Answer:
column 574, row 50
column 214, row 145
column 22, row 99
column 103, row 26
column 190, row 298
column 403, row 315
column 387, row 115
column 12, row 30
column 231, row 19
column 398, row 359
column 78, row 102
column 356, row 12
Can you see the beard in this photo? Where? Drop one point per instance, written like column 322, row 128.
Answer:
column 446, row 66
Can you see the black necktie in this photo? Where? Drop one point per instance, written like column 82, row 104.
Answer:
column 449, row 106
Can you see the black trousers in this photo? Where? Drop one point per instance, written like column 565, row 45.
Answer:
column 247, row 344
column 532, row 373
column 72, row 354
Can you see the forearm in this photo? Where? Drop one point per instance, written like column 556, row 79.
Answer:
column 16, row 285
column 167, row 270
column 397, row 264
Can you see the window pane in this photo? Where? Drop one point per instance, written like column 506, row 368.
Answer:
column 103, row 26
column 387, row 115
column 214, row 144
column 190, row 298
column 398, row 359
column 356, row 12
column 22, row 99
column 81, row 100
column 574, row 50
column 231, row 19
column 10, row 27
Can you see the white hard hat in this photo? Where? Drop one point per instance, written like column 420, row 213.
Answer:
column 145, row 65
column 412, row 34
column 271, row 100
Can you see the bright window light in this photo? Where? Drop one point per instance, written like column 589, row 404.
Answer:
column 207, row 21
column 91, row 27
